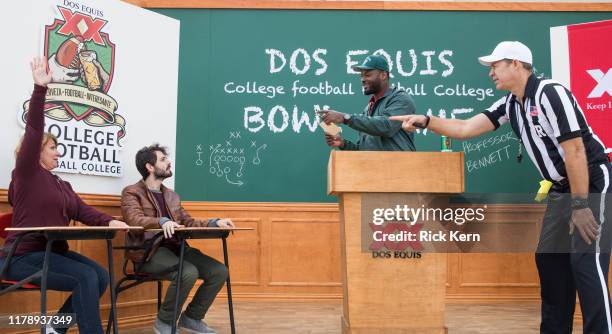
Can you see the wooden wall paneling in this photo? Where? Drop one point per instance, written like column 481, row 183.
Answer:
column 452, row 266
column 497, row 270
column 293, row 254
column 304, row 253
column 268, row 215
column 245, row 250
column 260, row 271
column 495, row 278
column 500, row 277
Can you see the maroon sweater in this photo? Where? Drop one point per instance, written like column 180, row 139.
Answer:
column 172, row 243
column 38, row 197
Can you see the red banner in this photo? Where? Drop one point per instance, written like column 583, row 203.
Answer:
column 590, row 58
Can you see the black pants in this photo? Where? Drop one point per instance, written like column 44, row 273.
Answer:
column 567, row 264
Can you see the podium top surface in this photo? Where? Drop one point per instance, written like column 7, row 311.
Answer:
column 395, row 172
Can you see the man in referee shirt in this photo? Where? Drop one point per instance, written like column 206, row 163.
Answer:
column 548, row 121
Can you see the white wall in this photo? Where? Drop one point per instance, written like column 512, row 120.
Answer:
column 144, row 84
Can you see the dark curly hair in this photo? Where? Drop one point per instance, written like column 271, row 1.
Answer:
column 147, row 155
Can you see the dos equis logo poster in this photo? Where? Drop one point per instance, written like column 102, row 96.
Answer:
column 80, row 109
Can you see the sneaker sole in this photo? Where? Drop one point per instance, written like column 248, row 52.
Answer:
column 158, row 332
column 191, row 331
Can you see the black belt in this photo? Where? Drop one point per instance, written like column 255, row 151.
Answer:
column 561, row 186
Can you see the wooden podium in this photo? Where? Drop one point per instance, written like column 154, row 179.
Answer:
column 390, row 295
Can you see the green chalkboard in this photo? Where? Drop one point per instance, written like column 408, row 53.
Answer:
column 246, row 113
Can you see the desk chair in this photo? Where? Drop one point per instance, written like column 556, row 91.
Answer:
column 25, row 284
column 52, row 234
column 9, row 285
column 140, row 277
column 137, row 277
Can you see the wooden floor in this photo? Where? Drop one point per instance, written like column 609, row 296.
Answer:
column 324, row 318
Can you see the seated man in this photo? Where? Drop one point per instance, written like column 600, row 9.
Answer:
column 150, row 204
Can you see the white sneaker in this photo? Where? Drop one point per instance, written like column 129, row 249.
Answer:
column 193, row 326
column 161, row 327
column 50, row 330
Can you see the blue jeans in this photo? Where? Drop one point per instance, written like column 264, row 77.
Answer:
column 68, row 271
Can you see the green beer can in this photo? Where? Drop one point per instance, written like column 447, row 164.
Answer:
column 445, row 144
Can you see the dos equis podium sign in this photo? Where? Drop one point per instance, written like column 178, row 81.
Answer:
column 78, row 107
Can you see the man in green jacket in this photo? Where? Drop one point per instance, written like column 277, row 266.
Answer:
column 376, row 132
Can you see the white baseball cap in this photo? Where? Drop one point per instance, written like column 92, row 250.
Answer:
column 508, row 50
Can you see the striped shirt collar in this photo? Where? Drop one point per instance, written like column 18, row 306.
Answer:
column 532, row 86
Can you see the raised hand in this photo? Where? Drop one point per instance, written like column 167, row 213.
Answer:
column 40, row 74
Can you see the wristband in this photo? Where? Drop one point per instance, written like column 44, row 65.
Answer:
column 579, row 203
column 423, row 126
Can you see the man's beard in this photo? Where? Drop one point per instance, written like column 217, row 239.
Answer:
column 161, row 174
column 374, row 88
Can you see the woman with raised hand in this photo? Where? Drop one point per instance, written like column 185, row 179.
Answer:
column 39, row 198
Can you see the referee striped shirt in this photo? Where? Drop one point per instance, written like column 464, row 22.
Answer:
column 550, row 116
